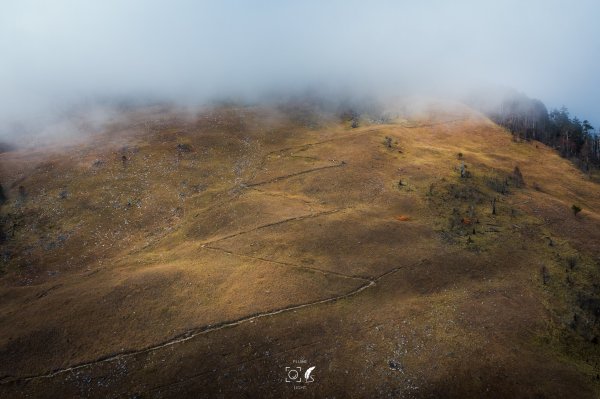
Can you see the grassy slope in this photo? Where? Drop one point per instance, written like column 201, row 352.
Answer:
column 263, row 214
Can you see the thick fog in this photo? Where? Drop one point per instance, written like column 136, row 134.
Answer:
column 59, row 53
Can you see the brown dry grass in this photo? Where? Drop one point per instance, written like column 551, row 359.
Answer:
column 264, row 214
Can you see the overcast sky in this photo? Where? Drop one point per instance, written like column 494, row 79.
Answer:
column 58, row 52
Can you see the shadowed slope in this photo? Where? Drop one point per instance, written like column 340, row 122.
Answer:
column 205, row 254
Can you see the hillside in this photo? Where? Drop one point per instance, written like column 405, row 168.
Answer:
column 199, row 255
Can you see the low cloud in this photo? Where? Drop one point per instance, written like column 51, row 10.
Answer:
column 60, row 53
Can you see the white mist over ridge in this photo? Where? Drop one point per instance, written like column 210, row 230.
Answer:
column 60, row 53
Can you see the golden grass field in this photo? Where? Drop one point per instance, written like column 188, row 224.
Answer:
column 176, row 256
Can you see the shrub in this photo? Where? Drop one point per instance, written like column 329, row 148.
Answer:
column 545, row 275
column 388, row 142
column 497, row 184
column 22, row 193
column 464, row 173
column 183, row 147
column 518, row 177
column 576, row 209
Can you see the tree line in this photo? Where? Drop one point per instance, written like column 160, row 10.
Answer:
column 529, row 119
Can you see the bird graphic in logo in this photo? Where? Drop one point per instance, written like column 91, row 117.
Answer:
column 307, row 376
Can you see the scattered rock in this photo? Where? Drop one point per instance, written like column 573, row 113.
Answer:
column 197, row 188
column 394, row 365
column 98, row 163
